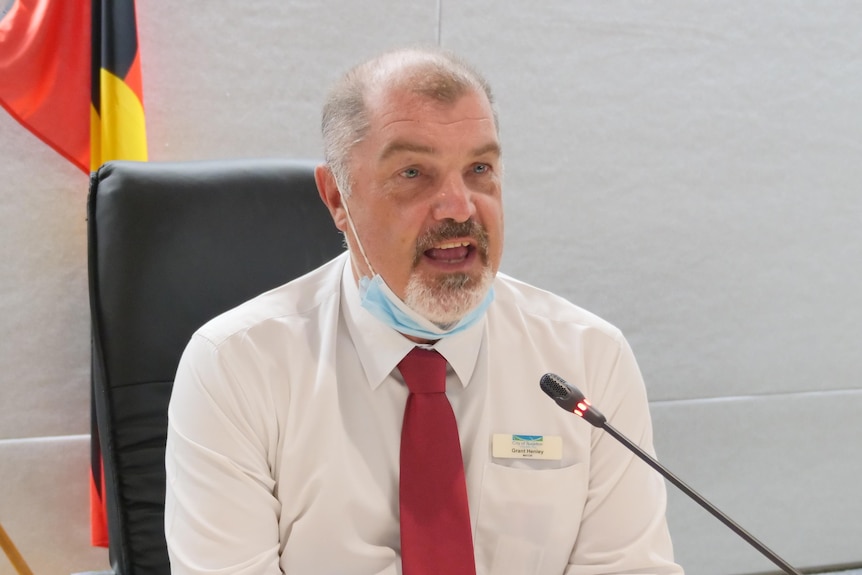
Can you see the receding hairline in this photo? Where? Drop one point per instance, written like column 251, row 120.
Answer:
column 435, row 73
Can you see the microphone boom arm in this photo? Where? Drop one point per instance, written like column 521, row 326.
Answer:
column 572, row 400
column 700, row 500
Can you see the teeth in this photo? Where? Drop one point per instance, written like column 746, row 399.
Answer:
column 451, row 245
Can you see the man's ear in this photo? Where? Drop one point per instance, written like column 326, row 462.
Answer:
column 331, row 196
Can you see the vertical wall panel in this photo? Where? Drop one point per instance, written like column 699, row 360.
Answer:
column 784, row 467
column 694, row 166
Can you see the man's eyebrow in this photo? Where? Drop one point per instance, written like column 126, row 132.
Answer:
column 399, row 146
column 489, row 148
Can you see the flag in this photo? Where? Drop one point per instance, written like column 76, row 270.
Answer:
column 45, row 72
column 70, row 72
column 117, row 130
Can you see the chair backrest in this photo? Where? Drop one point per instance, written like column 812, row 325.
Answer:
column 172, row 245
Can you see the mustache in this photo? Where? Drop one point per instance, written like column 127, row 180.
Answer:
column 450, row 229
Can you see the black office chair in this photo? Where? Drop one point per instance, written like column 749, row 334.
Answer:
column 172, row 245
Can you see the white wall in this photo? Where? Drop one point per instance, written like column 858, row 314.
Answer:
column 690, row 170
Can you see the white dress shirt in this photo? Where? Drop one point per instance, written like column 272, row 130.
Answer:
column 285, row 424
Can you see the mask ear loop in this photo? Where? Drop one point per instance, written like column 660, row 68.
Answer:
column 355, row 235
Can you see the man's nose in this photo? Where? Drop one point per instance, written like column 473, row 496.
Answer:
column 454, row 200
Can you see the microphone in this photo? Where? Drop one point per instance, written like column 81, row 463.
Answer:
column 571, row 399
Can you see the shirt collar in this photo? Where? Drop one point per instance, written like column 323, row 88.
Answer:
column 380, row 347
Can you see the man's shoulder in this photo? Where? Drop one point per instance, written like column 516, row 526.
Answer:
column 293, row 301
column 530, row 301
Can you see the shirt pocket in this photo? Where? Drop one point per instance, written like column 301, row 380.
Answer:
column 528, row 519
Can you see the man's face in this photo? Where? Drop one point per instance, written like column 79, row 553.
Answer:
column 426, row 200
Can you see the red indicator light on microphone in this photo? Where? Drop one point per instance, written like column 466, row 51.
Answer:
column 582, row 407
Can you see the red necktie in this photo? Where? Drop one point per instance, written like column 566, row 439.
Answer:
column 436, row 538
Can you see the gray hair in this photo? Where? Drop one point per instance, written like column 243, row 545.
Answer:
column 430, row 72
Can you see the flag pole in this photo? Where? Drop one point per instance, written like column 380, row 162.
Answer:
column 12, row 553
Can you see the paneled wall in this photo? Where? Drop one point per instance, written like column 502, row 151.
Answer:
column 689, row 170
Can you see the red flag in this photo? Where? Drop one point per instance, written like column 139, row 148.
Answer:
column 45, row 72
column 70, row 72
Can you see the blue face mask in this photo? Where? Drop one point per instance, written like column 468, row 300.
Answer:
column 383, row 304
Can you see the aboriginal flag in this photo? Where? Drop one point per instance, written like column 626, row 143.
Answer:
column 70, row 72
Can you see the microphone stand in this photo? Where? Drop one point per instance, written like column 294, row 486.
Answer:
column 571, row 399
column 698, row 498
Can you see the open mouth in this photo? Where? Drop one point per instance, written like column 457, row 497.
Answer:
column 453, row 246
column 451, row 252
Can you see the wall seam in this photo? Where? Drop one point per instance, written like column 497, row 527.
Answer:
column 43, row 439
column 440, row 23
column 761, row 396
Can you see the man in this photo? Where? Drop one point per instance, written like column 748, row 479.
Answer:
column 285, row 449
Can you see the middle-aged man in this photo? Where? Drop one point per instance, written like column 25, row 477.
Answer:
column 306, row 432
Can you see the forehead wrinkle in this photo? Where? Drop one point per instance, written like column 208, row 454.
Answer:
column 387, row 121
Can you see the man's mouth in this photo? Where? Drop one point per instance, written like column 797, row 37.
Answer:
column 450, row 252
column 452, row 243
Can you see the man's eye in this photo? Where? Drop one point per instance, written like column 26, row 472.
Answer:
column 410, row 173
column 481, row 168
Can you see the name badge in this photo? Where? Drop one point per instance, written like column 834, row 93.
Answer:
column 507, row 446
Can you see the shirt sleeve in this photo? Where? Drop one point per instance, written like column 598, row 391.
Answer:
column 221, row 516
column 623, row 527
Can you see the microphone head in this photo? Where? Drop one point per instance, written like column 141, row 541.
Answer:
column 566, row 395
column 570, row 398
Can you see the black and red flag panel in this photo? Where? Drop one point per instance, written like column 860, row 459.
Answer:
column 117, row 131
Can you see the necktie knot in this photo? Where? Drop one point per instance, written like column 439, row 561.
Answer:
column 424, row 371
